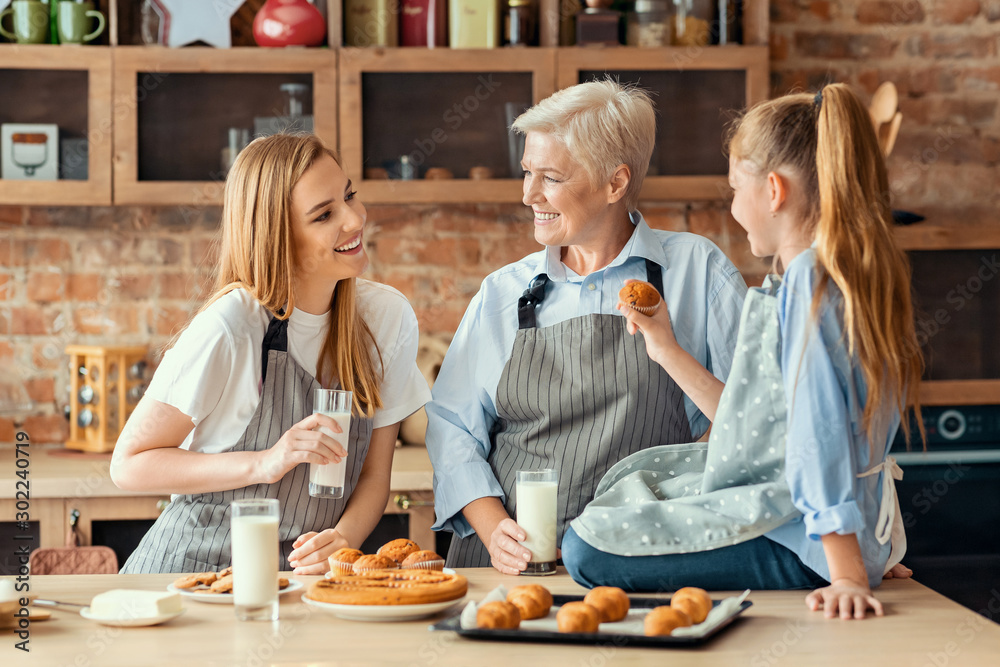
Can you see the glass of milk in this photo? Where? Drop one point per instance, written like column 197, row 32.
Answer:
column 535, row 494
column 327, row 481
column 255, row 559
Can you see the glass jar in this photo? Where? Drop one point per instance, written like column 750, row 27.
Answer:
column 520, row 23
column 649, row 24
column 691, row 23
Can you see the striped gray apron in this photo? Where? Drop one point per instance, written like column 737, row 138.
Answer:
column 192, row 534
column 577, row 396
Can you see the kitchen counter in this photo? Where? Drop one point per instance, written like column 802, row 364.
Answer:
column 920, row 628
column 61, row 482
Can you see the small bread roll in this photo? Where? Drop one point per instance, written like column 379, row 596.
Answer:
column 531, row 600
column 694, row 602
column 577, row 617
column 498, row 615
column 610, row 602
column 398, row 550
column 664, row 620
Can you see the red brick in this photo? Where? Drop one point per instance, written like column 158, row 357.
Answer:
column 33, row 321
column 46, row 429
column 938, row 45
column 88, row 320
column 101, row 253
column 402, row 281
column 707, row 222
column 6, row 286
column 83, row 287
column 785, row 11
column 204, row 252
column 49, row 356
column 158, row 252
column 956, row 11
column 121, row 320
column 439, row 319
column 6, row 351
column 58, row 216
column 821, row 9
column 893, row 13
column 167, row 321
column 981, row 79
column 35, row 251
column 11, row 216
column 4, row 321
column 45, row 286
column 8, row 434
column 135, row 287
column 41, row 389
column 512, row 249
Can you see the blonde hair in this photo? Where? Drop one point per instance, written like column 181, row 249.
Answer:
column 257, row 254
column 604, row 125
column 828, row 141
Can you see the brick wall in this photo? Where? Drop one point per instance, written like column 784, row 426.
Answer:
column 131, row 275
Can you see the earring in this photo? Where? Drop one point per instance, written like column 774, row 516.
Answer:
column 774, row 214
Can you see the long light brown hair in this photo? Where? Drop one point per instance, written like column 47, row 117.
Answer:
column 257, row 253
column 828, row 141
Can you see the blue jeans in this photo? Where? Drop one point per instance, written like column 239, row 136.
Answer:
column 758, row 564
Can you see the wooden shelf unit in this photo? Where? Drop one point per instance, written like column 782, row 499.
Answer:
column 130, row 62
column 47, row 60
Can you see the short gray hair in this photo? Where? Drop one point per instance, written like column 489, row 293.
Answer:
column 603, row 124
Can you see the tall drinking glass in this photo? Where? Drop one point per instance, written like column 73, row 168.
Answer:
column 327, row 481
column 536, row 492
column 255, row 559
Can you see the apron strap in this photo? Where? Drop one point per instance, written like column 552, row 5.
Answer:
column 276, row 338
column 890, row 518
column 654, row 276
column 530, row 300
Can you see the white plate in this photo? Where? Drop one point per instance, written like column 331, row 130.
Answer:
column 130, row 622
column 226, row 598
column 382, row 612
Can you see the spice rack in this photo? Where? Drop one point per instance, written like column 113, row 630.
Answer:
column 106, row 384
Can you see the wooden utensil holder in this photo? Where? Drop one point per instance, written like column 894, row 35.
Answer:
column 106, row 384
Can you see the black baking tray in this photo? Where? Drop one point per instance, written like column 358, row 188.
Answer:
column 453, row 625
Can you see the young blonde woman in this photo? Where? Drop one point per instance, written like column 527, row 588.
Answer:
column 794, row 488
column 228, row 413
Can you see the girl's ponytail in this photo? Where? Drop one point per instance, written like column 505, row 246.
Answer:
column 856, row 249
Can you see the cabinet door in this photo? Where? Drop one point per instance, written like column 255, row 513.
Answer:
column 174, row 109
column 696, row 92
column 408, row 111
column 65, row 87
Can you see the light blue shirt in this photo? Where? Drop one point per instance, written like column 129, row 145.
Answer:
column 827, row 446
column 704, row 294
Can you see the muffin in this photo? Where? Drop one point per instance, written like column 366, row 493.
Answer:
column 423, row 560
column 532, row 600
column 498, row 615
column 372, row 563
column 610, row 602
column 342, row 560
column 664, row 620
column 640, row 296
column 398, row 550
column 577, row 617
column 694, row 602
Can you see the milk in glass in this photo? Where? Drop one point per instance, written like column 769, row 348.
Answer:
column 327, row 481
column 536, row 493
column 255, row 559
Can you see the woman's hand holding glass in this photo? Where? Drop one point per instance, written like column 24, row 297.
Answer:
column 302, row 443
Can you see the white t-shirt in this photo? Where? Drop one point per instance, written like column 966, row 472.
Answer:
column 212, row 374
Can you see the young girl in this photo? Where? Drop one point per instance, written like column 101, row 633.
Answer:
column 228, row 413
column 793, row 489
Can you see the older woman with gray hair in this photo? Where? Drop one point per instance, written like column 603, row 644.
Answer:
column 543, row 371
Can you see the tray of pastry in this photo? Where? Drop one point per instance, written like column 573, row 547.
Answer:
column 690, row 618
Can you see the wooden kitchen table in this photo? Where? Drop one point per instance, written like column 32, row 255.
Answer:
column 921, row 628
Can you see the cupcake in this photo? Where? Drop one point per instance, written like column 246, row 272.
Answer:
column 373, row 563
column 398, row 550
column 640, row 296
column 342, row 560
column 423, row 560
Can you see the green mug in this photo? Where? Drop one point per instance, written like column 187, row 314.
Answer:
column 75, row 19
column 31, row 22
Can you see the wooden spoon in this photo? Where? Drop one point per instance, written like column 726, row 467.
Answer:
column 887, row 134
column 884, row 103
